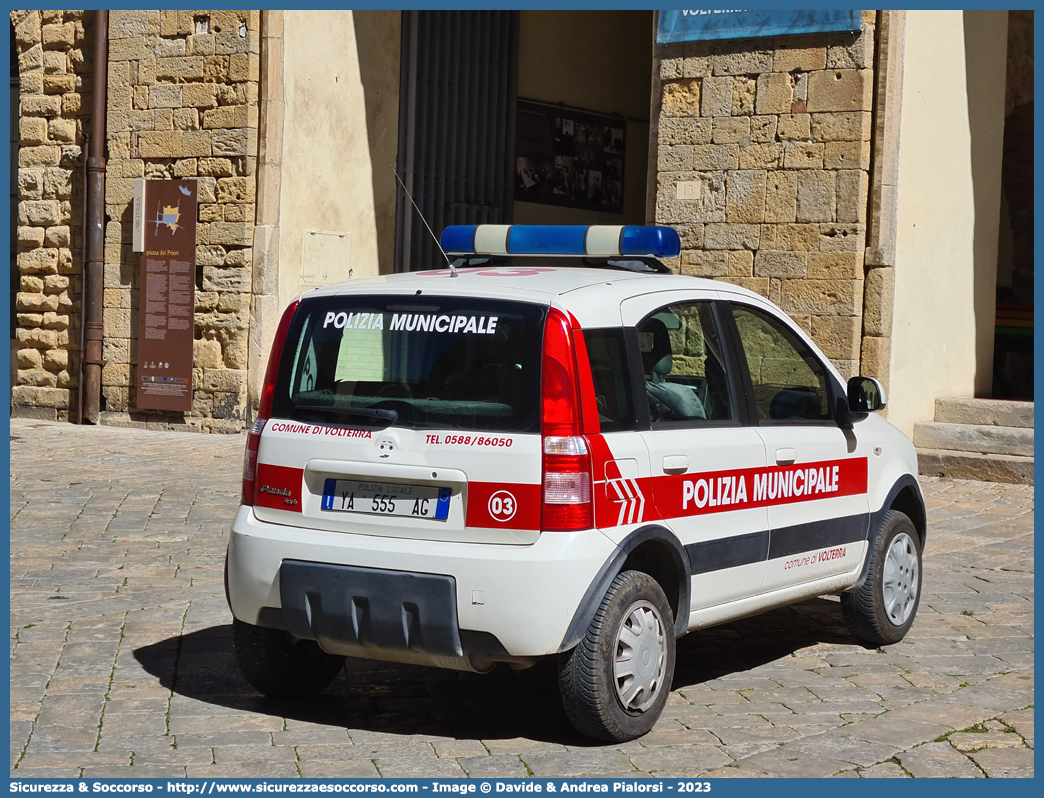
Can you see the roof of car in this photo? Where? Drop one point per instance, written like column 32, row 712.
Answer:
column 523, row 282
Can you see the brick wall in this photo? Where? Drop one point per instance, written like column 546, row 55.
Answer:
column 54, row 71
column 183, row 103
column 776, row 132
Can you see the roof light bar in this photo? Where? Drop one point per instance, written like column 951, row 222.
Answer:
column 594, row 240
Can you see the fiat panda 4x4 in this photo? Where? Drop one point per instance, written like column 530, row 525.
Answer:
column 557, row 448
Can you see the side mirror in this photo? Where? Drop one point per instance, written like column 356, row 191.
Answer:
column 865, row 395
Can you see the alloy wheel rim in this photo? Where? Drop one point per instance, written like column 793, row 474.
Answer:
column 900, row 579
column 640, row 657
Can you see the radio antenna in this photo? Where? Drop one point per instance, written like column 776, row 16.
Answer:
column 452, row 268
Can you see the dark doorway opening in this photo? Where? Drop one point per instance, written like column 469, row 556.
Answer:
column 456, row 126
column 1013, row 341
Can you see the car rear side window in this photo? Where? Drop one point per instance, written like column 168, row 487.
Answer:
column 412, row 361
column 684, row 366
column 612, row 383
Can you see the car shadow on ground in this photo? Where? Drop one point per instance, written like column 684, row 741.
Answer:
column 503, row 704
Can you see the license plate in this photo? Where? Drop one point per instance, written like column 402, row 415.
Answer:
column 382, row 498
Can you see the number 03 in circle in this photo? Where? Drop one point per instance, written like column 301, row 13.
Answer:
column 502, row 506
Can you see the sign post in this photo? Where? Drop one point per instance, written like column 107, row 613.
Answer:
column 167, row 285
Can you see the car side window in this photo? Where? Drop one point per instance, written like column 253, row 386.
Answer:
column 612, row 382
column 684, row 365
column 790, row 384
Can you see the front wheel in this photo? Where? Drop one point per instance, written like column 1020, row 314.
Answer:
column 882, row 611
column 281, row 666
column 615, row 683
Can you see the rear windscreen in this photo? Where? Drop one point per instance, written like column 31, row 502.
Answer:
column 419, row 362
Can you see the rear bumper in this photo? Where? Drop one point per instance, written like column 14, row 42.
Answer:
column 525, row 596
column 350, row 610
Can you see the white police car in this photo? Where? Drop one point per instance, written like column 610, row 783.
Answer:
column 557, row 448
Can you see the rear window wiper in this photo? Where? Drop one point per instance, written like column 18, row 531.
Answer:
column 374, row 415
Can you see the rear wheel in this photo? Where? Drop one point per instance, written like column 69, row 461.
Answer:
column 281, row 666
column 882, row 611
column 615, row 683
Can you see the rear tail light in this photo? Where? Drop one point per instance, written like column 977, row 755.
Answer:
column 566, row 491
column 573, row 445
column 250, row 460
column 567, row 474
column 265, row 409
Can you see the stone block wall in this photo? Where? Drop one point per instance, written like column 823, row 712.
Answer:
column 54, row 72
column 183, row 103
column 776, row 133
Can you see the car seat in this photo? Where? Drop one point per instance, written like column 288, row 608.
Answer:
column 678, row 400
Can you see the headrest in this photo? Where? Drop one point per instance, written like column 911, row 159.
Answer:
column 796, row 403
column 655, row 343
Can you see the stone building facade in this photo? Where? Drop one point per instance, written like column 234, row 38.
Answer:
column 775, row 133
column 777, row 159
column 54, row 65
column 183, row 103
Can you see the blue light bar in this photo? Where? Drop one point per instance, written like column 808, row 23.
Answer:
column 561, row 240
column 660, row 242
column 458, row 238
column 546, row 239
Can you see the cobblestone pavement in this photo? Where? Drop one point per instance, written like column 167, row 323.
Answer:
column 121, row 659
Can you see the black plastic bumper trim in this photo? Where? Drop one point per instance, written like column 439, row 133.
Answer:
column 371, row 607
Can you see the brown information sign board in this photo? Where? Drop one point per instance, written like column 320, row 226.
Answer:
column 166, row 315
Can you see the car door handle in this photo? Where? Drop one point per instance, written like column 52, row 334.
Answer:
column 675, row 464
column 785, row 456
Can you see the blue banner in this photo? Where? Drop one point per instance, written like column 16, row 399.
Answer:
column 691, row 26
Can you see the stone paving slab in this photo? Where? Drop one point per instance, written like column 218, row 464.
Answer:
column 121, row 652
column 938, row 760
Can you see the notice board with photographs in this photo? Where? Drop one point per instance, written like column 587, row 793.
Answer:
column 569, row 158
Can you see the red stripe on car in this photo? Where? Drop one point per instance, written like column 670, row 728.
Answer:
column 503, row 504
column 278, row 487
column 621, row 502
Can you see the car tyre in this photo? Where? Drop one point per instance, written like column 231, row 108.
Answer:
column 616, row 681
column 882, row 611
column 281, row 666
